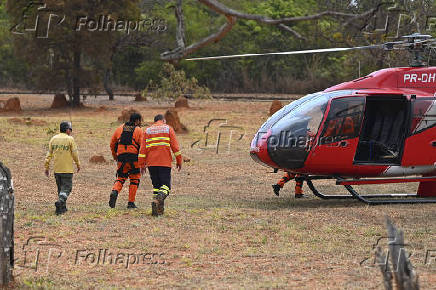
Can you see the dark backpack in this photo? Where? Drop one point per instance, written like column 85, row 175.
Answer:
column 126, row 138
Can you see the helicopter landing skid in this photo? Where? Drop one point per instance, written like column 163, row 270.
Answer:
column 370, row 199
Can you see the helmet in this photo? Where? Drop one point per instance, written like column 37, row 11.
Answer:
column 65, row 126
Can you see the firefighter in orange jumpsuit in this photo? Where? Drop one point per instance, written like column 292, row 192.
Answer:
column 125, row 147
column 287, row 177
column 155, row 154
column 340, row 127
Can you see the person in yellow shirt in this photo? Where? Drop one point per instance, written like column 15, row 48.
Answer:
column 63, row 150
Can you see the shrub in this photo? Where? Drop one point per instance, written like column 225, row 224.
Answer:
column 174, row 83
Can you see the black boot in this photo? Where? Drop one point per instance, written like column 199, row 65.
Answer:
column 61, row 207
column 276, row 189
column 113, row 198
column 154, row 206
column 131, row 205
column 158, row 204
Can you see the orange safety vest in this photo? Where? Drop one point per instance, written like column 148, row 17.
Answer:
column 157, row 143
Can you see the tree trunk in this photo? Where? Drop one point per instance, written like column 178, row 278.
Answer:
column 106, row 85
column 76, row 78
column 6, row 226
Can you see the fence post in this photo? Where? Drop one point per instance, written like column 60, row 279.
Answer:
column 6, row 226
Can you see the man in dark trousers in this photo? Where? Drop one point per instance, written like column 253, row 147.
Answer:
column 63, row 150
column 125, row 146
column 155, row 154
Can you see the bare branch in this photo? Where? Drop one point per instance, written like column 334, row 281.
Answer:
column 288, row 29
column 181, row 52
column 232, row 15
column 181, row 39
column 222, row 9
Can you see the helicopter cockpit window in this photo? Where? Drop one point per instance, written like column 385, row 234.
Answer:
column 291, row 135
column 344, row 120
column 302, row 122
column 285, row 110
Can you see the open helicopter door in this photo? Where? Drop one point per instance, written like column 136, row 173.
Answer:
column 384, row 130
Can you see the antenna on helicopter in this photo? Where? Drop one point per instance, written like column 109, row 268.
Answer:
column 417, row 44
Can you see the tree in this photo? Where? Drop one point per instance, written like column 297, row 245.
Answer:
column 68, row 51
column 233, row 15
column 12, row 69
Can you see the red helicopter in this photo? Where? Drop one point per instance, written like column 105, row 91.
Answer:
column 376, row 129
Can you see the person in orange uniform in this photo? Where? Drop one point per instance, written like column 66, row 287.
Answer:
column 125, row 146
column 287, row 177
column 338, row 127
column 155, row 154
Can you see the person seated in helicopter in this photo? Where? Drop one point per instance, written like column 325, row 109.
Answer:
column 286, row 178
column 340, row 127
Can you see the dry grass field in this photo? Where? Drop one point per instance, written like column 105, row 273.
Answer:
column 223, row 227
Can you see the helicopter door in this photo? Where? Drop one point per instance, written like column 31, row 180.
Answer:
column 420, row 146
column 385, row 128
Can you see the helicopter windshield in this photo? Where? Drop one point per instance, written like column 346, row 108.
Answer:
column 296, row 128
column 304, row 120
column 285, row 110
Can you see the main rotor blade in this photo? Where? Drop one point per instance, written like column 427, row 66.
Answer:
column 287, row 52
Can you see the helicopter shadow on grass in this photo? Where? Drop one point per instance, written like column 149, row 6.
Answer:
column 286, row 202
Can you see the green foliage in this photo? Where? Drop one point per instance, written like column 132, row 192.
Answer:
column 173, row 83
column 12, row 69
column 138, row 66
column 69, row 59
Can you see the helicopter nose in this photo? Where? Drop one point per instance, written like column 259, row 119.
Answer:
column 259, row 149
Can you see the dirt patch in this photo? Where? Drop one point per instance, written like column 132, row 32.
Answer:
column 181, row 102
column 11, row 105
column 27, row 121
column 172, row 118
column 275, row 106
column 97, row 159
column 101, row 109
column 125, row 115
column 140, row 98
column 15, row 121
column 59, row 101
column 37, row 122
